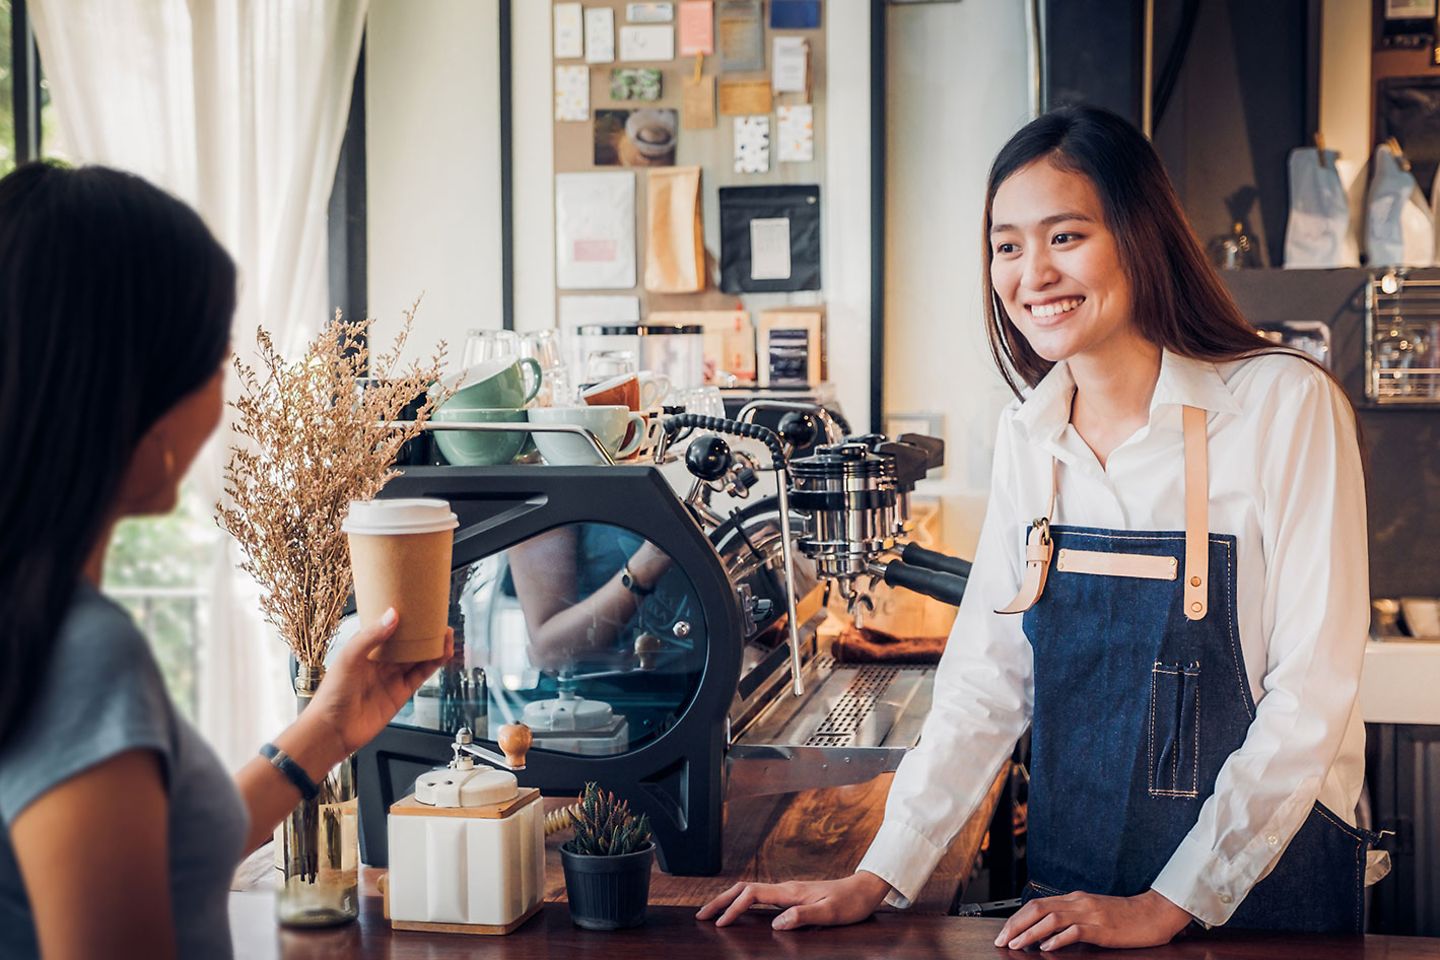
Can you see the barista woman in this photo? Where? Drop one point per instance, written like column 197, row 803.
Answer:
column 122, row 830
column 1176, row 544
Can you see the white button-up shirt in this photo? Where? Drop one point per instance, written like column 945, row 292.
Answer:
column 1286, row 480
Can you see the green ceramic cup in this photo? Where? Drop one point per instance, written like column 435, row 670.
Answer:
column 474, row 448
column 499, row 384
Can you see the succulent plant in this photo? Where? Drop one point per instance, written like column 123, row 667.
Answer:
column 605, row 827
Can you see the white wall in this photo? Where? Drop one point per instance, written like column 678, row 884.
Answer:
column 1345, row 77
column 958, row 88
column 433, row 168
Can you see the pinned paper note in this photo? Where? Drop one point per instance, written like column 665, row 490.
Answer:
column 649, row 12
column 635, row 83
column 770, row 249
column 752, row 145
column 599, row 35
column 791, row 65
column 595, row 231
column 569, row 31
column 742, row 36
column 795, row 140
column 794, row 14
column 697, row 27
column 741, row 97
column 647, row 43
column 572, row 93
column 697, row 99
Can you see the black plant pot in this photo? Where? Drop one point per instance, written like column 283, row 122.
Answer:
column 608, row 893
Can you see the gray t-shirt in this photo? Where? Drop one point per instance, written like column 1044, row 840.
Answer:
column 103, row 695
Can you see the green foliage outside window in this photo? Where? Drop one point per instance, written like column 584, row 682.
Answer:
column 156, row 568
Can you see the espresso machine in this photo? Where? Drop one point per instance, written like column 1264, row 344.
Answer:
column 656, row 624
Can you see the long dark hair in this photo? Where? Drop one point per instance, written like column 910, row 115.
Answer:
column 115, row 303
column 1177, row 300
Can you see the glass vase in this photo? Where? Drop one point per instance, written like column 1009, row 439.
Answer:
column 319, row 849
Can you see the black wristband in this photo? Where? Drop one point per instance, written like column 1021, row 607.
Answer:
column 293, row 772
column 627, row 579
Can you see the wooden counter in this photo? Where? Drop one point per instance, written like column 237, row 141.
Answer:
column 811, row 835
column 674, row 931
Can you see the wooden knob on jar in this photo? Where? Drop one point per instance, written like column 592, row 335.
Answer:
column 515, row 740
column 647, row 645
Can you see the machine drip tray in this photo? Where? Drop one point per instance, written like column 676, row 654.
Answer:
column 854, row 722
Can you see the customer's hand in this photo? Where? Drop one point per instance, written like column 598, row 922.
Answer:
column 1145, row 920
column 358, row 696
column 825, row 903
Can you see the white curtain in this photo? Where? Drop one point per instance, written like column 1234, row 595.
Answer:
column 237, row 107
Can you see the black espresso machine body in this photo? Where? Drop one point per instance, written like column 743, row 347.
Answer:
column 667, row 761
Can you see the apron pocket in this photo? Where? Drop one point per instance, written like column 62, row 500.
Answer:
column 1174, row 753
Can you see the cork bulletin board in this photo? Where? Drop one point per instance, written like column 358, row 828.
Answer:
column 622, row 145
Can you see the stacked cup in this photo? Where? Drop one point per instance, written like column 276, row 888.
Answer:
column 493, row 391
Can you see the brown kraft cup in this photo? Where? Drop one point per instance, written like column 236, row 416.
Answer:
column 400, row 554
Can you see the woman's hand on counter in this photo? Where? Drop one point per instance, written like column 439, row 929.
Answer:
column 824, row 903
column 1146, row 920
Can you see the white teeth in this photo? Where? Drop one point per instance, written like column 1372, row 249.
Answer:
column 1055, row 309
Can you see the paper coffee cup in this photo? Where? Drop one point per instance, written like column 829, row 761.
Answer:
column 400, row 553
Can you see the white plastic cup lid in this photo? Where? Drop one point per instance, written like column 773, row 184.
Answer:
column 383, row 517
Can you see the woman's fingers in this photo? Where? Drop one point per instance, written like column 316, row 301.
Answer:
column 1047, row 926
column 720, row 902
column 1021, row 920
column 416, row 675
column 1071, row 934
column 821, row 914
column 368, row 639
column 753, row 894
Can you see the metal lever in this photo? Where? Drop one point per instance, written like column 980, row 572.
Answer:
column 465, row 740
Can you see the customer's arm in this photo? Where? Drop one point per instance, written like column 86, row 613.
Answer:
column 93, row 852
column 356, row 699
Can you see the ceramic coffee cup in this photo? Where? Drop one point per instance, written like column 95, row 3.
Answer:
column 620, row 430
column 497, row 384
column 474, row 448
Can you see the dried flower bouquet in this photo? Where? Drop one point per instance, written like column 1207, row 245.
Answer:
column 312, row 435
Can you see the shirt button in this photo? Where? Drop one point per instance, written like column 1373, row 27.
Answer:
column 1272, row 840
column 1224, row 898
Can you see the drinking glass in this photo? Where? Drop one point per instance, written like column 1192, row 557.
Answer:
column 482, row 346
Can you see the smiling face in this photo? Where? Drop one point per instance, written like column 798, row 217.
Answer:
column 1056, row 266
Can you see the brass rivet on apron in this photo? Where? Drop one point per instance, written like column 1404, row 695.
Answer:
column 1194, row 581
column 1197, row 606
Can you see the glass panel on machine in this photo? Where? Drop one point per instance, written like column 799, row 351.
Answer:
column 549, row 633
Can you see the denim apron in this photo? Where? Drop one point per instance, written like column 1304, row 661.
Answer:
column 1140, row 697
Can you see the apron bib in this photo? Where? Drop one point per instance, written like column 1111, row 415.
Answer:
column 1140, row 697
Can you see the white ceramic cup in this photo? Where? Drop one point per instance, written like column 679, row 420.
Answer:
column 620, row 430
column 654, row 388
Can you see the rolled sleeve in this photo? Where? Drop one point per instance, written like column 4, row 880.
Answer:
column 982, row 699
column 1316, row 614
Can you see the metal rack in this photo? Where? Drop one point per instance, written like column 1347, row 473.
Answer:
column 1402, row 340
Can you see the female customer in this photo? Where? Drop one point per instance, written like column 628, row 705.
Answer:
column 1170, row 587
column 121, row 828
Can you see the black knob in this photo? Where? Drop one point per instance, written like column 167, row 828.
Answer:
column 746, row 478
column 798, row 429
column 708, row 457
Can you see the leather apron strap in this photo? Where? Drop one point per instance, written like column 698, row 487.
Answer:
column 1039, row 547
column 1197, row 515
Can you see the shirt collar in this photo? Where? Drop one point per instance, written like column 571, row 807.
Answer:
column 1183, row 382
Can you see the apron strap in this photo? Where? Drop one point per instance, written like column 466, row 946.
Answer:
column 1197, row 515
column 1039, row 547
